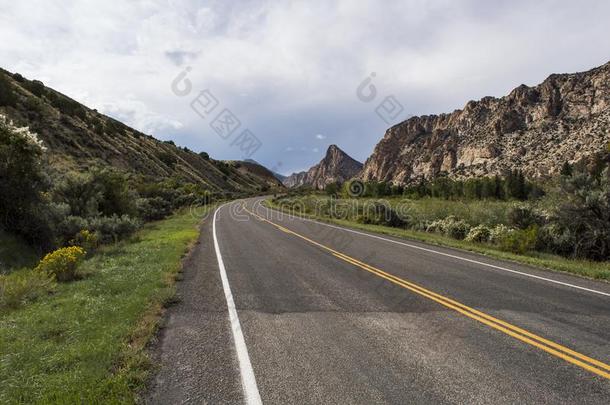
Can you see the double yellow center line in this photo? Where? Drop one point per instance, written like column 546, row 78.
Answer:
column 557, row 350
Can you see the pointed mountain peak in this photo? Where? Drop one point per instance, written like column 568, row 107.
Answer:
column 337, row 166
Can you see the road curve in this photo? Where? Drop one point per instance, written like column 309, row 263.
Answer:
column 327, row 315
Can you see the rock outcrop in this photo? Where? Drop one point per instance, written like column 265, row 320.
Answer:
column 535, row 129
column 337, row 166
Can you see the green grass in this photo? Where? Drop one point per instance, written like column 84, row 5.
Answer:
column 585, row 268
column 15, row 253
column 86, row 342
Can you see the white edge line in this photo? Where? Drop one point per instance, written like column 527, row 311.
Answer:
column 248, row 381
column 446, row 254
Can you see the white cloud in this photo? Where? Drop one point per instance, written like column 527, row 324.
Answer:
column 320, row 136
column 287, row 69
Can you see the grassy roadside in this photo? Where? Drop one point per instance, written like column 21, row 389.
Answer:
column 85, row 343
column 584, row 268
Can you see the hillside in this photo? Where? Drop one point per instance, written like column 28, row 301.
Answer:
column 337, row 166
column 78, row 137
column 251, row 168
column 535, row 129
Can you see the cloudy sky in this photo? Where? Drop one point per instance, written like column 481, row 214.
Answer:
column 290, row 71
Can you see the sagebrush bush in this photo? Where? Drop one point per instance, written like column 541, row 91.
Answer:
column 479, row 233
column 62, row 263
column 70, row 226
column 113, row 228
column 154, row 208
column 24, row 285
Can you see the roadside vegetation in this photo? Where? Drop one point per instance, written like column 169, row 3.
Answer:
column 87, row 262
column 80, row 341
column 563, row 226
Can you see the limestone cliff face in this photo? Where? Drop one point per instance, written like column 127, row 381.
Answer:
column 336, row 166
column 535, row 129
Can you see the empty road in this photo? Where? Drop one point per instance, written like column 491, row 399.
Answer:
column 284, row 310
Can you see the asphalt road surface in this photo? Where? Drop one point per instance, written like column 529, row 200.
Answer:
column 283, row 310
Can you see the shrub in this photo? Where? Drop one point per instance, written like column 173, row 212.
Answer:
column 81, row 192
column 155, row 208
column 86, row 239
column 24, row 285
column 450, row 226
column 62, row 263
column 519, row 241
column 436, row 226
column 499, row 232
column 522, row 217
column 117, row 197
column 480, row 233
column 113, row 228
column 7, row 96
column 585, row 213
column 457, row 229
column 379, row 214
column 35, row 86
column 70, row 226
column 23, row 179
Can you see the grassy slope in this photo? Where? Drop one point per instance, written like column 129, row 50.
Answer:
column 596, row 270
column 15, row 253
column 86, row 341
column 79, row 141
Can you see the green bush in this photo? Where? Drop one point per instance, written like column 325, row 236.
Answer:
column 69, row 227
column 450, row 226
column 7, row 93
column 585, row 213
column 378, row 214
column 457, row 229
column 81, row 193
column 89, row 241
column 154, row 208
column 62, row 263
column 24, row 285
column 479, row 233
column 499, row 232
column 522, row 217
column 113, row 228
column 519, row 241
column 23, row 181
column 36, row 87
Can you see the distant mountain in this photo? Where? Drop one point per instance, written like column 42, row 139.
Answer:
column 78, row 137
column 278, row 176
column 535, row 129
column 337, row 166
column 250, row 167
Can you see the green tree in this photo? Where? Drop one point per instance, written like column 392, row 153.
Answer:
column 7, row 94
column 585, row 214
column 333, row 189
column 23, row 179
column 566, row 169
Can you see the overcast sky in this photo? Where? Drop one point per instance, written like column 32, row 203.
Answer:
column 289, row 71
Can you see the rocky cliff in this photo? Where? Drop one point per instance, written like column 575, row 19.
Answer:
column 536, row 129
column 337, row 166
